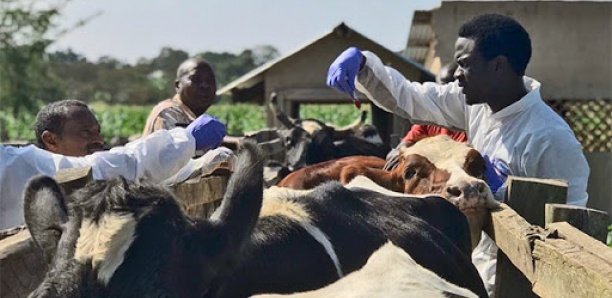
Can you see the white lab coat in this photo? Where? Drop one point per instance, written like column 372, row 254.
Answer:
column 155, row 157
column 528, row 135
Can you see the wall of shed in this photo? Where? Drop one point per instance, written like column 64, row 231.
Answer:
column 308, row 69
column 571, row 41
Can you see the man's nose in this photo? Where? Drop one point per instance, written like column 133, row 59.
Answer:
column 96, row 138
column 458, row 72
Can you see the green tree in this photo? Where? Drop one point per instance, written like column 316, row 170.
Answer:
column 24, row 79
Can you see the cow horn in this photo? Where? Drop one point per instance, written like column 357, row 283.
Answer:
column 352, row 128
column 282, row 117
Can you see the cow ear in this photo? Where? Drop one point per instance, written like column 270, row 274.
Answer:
column 45, row 213
column 474, row 164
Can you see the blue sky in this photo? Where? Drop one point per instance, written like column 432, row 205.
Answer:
column 130, row 29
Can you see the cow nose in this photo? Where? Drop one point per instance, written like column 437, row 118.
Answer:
column 472, row 189
column 453, row 191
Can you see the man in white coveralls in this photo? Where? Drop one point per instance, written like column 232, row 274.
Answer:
column 500, row 109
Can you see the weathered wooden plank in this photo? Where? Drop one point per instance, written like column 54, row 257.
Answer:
column 200, row 196
column 564, row 269
column 590, row 221
column 564, row 262
column 512, row 234
column 21, row 265
column 571, row 234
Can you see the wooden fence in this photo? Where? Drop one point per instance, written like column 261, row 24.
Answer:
column 556, row 261
column 540, row 254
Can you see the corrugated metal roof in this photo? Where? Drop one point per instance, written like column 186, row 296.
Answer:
column 420, row 36
column 256, row 75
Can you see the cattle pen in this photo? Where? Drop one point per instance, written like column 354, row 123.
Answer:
column 540, row 254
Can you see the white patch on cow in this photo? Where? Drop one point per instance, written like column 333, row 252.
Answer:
column 363, row 182
column 321, row 237
column 443, row 152
column 104, row 243
column 389, row 272
column 375, row 139
column 311, row 126
column 277, row 202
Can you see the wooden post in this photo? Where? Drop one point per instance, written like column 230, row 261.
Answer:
column 526, row 196
column 383, row 122
column 590, row 221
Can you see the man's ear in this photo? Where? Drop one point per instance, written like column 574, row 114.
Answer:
column 499, row 62
column 45, row 213
column 49, row 139
column 176, row 85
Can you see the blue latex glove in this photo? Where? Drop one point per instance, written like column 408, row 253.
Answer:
column 208, row 132
column 496, row 172
column 342, row 72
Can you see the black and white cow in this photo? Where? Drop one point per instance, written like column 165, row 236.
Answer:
column 389, row 272
column 124, row 239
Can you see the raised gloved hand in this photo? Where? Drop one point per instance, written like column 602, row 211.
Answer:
column 496, row 172
column 342, row 72
column 208, row 132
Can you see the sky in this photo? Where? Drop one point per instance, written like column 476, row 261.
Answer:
column 131, row 29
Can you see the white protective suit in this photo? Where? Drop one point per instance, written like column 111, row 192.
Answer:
column 528, row 135
column 155, row 157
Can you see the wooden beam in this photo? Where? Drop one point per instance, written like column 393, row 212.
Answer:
column 317, row 95
column 528, row 196
column 574, row 266
column 513, row 235
column 590, row 221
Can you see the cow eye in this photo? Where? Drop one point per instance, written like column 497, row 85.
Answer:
column 410, row 172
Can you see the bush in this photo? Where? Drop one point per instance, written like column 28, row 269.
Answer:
column 126, row 121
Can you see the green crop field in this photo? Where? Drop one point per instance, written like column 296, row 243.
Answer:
column 125, row 121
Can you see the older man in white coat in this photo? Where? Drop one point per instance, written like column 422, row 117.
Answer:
column 156, row 157
column 500, row 109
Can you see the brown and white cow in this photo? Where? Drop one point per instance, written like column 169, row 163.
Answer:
column 434, row 165
column 389, row 272
column 125, row 239
column 332, row 170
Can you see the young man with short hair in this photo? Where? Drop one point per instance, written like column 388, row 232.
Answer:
column 500, row 109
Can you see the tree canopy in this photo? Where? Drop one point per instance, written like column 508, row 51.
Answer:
column 30, row 75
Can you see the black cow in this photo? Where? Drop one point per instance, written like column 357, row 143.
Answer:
column 125, row 239
column 310, row 141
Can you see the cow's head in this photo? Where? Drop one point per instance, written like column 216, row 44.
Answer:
column 120, row 238
column 443, row 166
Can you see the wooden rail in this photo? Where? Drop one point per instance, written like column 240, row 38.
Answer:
column 556, row 261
